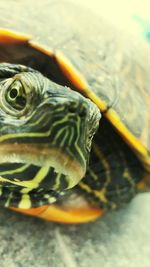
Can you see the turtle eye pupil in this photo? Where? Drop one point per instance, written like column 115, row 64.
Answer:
column 13, row 93
column 16, row 96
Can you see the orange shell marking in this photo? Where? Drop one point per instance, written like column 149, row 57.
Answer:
column 8, row 36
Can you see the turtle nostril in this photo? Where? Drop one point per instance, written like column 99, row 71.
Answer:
column 72, row 109
column 80, row 111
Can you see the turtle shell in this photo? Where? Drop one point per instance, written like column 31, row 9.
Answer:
column 119, row 85
column 93, row 58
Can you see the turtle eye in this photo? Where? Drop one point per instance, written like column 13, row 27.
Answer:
column 15, row 96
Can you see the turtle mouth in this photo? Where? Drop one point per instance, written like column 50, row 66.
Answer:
column 42, row 156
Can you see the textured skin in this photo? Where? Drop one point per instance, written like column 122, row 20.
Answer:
column 42, row 124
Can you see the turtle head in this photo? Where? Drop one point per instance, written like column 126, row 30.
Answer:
column 45, row 130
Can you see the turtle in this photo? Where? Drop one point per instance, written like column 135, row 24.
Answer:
column 74, row 135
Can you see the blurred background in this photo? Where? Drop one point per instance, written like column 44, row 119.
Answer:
column 129, row 15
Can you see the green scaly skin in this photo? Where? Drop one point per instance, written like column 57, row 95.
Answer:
column 46, row 132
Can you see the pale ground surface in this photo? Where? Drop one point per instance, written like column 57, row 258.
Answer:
column 121, row 239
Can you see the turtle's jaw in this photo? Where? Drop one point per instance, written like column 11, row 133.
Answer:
column 43, row 158
column 55, row 141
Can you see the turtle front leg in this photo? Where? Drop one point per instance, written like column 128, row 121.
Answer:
column 63, row 214
column 114, row 175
